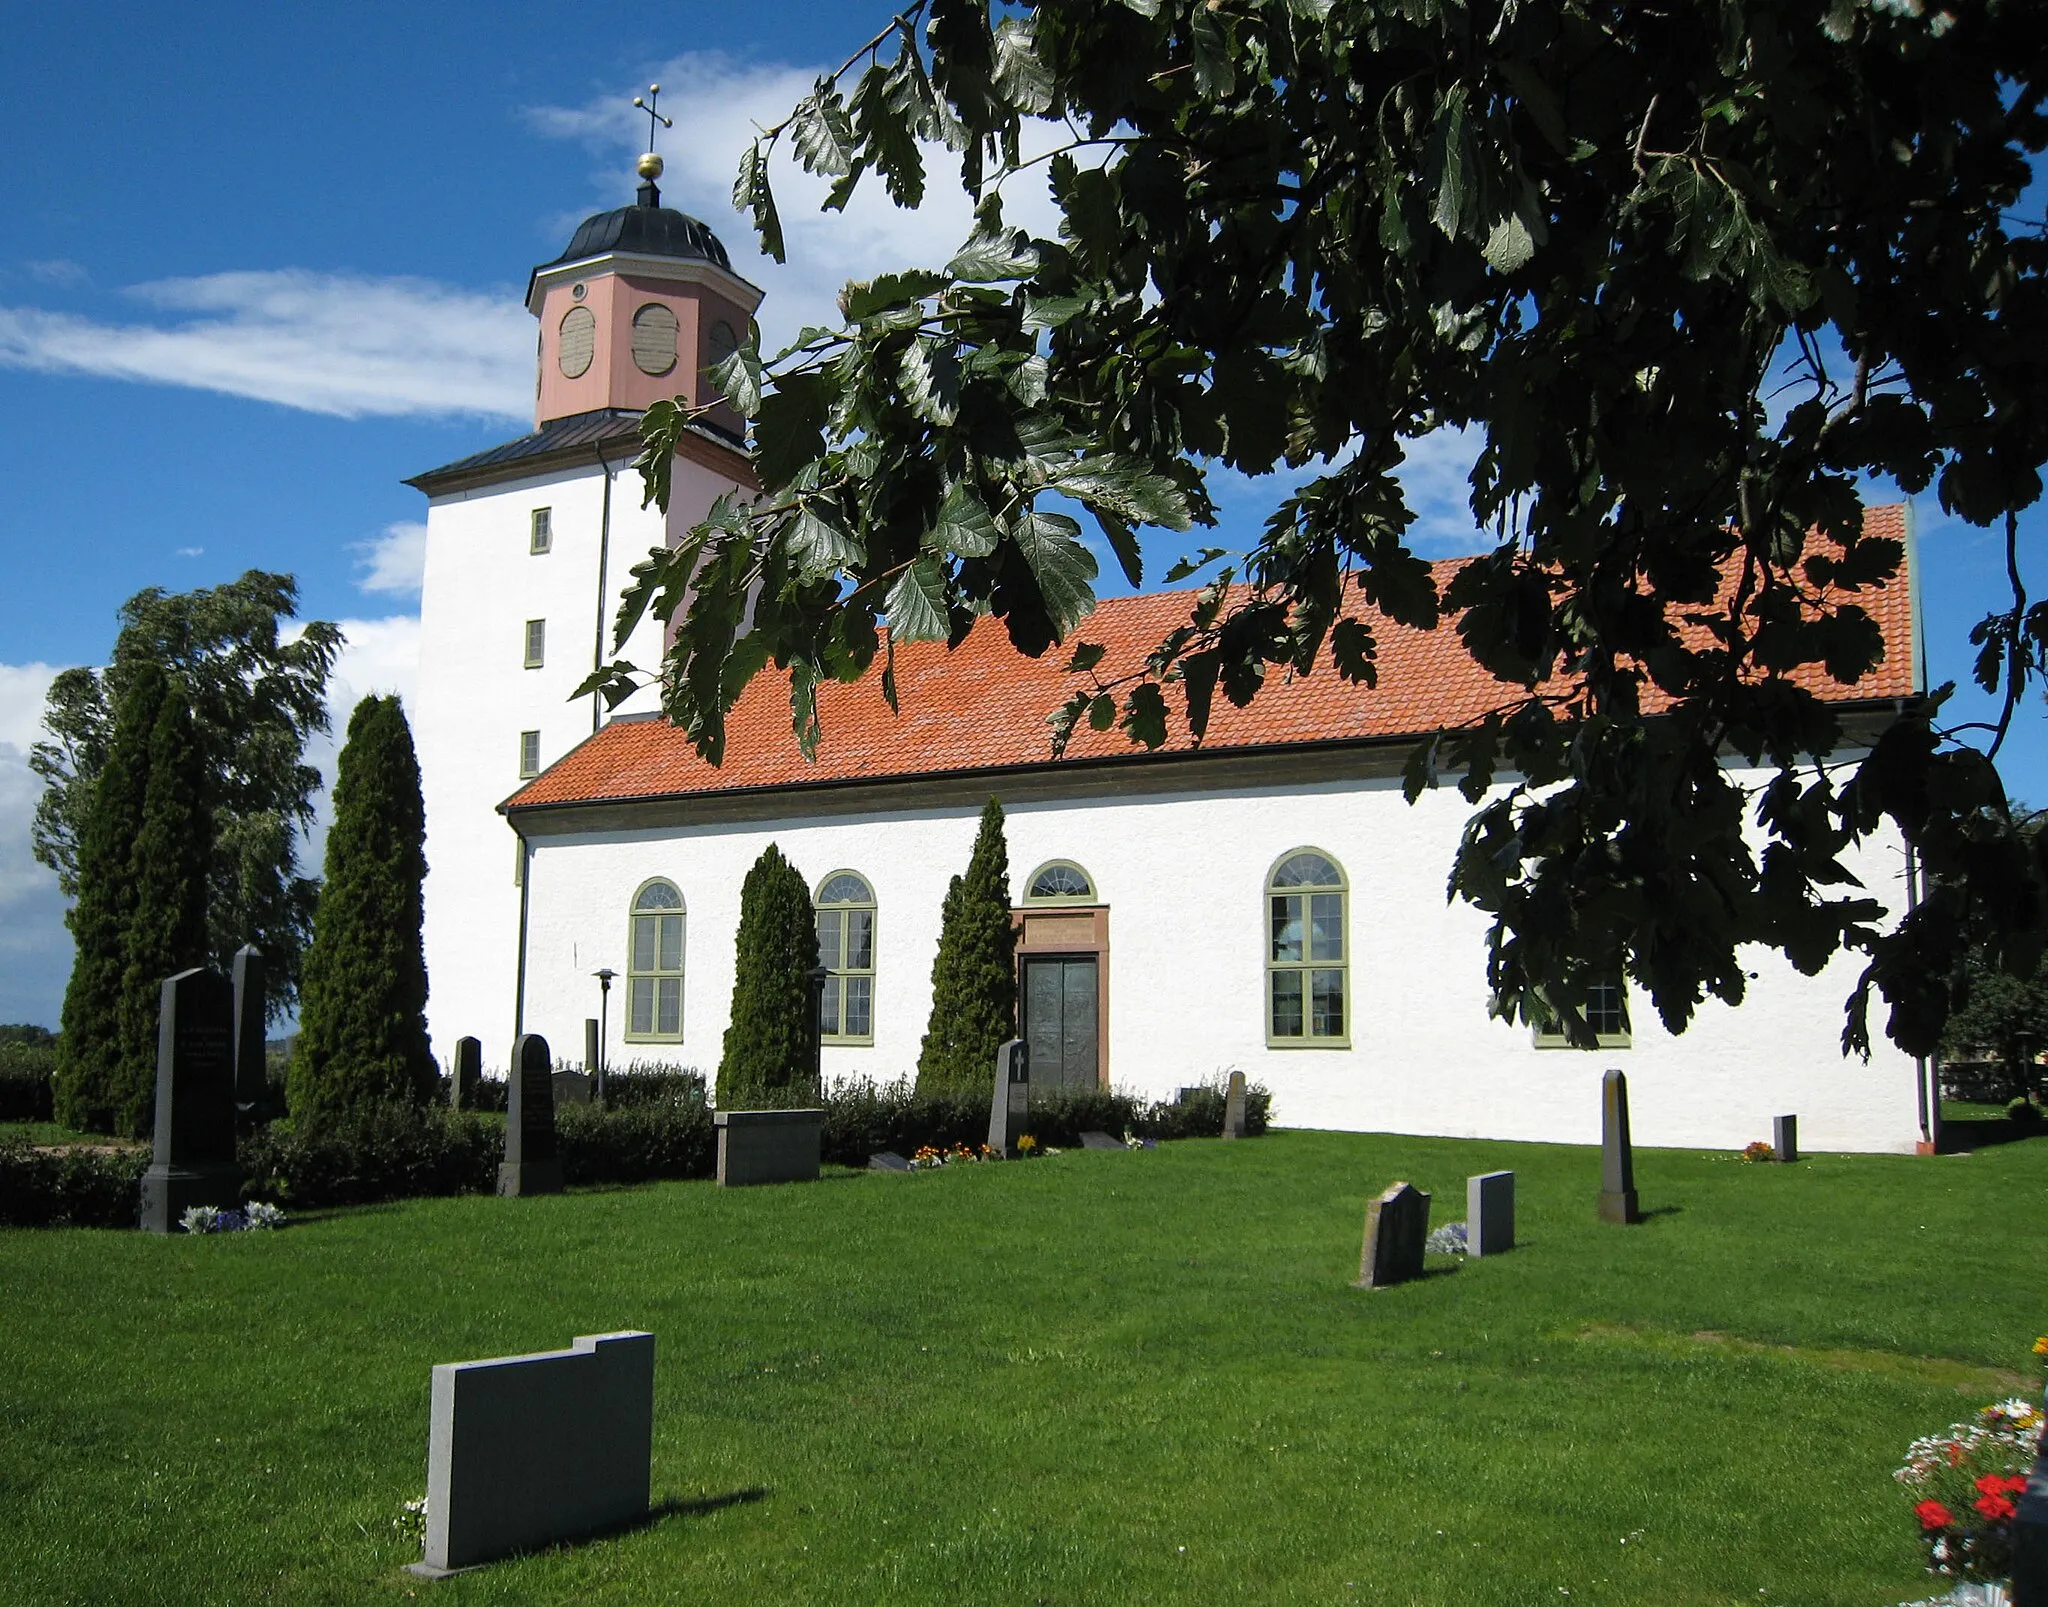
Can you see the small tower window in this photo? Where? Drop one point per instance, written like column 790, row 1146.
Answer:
column 719, row 343
column 654, row 338
column 536, row 643
column 543, row 537
column 578, row 342
column 529, row 754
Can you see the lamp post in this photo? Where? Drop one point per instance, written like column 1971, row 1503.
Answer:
column 604, row 975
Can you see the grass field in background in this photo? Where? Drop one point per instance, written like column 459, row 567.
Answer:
column 1099, row 1377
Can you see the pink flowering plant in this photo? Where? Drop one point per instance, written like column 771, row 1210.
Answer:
column 1966, row 1484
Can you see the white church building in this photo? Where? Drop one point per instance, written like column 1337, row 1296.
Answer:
column 1267, row 902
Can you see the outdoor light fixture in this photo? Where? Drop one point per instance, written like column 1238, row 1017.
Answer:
column 604, row 975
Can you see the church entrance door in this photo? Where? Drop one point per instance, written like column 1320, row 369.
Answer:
column 1059, row 999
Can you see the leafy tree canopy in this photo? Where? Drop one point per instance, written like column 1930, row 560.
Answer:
column 256, row 698
column 1689, row 273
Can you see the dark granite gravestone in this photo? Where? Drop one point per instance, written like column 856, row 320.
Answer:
column 533, row 1163
column 769, row 1146
column 1233, row 1106
column 1489, row 1213
column 194, row 1159
column 2030, row 1534
column 523, row 1451
column 1785, row 1138
column 590, row 1046
column 1617, row 1154
column 250, row 1015
column 466, row 1074
column 1010, row 1106
column 1101, row 1141
column 1396, row 1226
column 571, row 1088
column 888, row 1161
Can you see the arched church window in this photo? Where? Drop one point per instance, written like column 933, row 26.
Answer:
column 654, row 965
column 846, row 948
column 654, row 338
column 578, row 342
column 1059, row 881
column 1307, row 953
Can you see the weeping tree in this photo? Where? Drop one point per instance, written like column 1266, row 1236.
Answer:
column 1685, row 276
column 168, row 869
column 974, row 977
column 87, row 1079
column 770, row 1040
column 362, row 1022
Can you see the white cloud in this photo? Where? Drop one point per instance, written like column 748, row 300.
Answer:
column 393, row 562
column 718, row 106
column 190, row 552
column 344, row 344
column 58, row 271
column 35, row 947
column 22, row 690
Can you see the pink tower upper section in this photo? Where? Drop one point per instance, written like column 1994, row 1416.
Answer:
column 634, row 312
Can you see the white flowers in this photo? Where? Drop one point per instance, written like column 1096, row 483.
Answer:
column 256, row 1216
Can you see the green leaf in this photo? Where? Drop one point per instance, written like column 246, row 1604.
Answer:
column 887, row 138
column 917, row 604
column 1509, row 245
column 1145, row 715
column 1049, row 312
column 823, row 133
column 1201, row 560
column 817, row 544
column 1086, row 656
column 1198, row 678
column 931, row 381
column 1102, row 711
column 1051, row 545
column 1126, row 489
column 862, row 299
column 994, row 254
column 789, row 428
column 1451, row 164
column 1351, row 650
column 751, row 193
column 739, row 374
column 965, row 525
column 1022, row 79
column 1215, row 52
column 1124, row 544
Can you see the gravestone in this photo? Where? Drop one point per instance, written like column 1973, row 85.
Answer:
column 1785, row 1138
column 523, row 1451
column 571, row 1088
column 591, row 1048
column 888, row 1161
column 250, row 1014
column 1233, row 1106
column 1617, row 1155
column 1396, row 1225
column 769, row 1146
column 1010, row 1106
column 467, row 1073
column 193, row 1162
column 533, row 1163
column 2030, row 1534
column 1489, row 1213
column 1100, row 1141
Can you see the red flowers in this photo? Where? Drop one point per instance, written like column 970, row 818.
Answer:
column 1933, row 1515
column 1995, row 1493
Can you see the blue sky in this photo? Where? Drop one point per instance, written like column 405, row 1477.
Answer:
column 262, row 263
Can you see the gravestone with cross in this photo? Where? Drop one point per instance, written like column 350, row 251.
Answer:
column 1010, row 1105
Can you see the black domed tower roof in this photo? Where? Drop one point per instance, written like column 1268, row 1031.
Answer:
column 646, row 229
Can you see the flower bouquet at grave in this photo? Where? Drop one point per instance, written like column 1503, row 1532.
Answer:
column 256, row 1217
column 1759, row 1151
column 1967, row 1482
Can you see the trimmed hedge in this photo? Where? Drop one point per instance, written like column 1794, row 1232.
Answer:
column 637, row 1144
column 77, row 1188
column 382, row 1152
column 26, row 1070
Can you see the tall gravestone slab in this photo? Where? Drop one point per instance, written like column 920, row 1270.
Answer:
column 524, row 1451
column 1784, row 1138
column 1396, row 1226
column 533, row 1163
column 2030, row 1534
column 193, row 1162
column 1489, row 1213
column 251, row 1013
column 591, row 1048
column 1617, row 1154
column 467, row 1073
column 1233, row 1106
column 1010, row 1105
column 769, row 1146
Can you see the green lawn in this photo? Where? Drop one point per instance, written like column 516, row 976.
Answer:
column 1102, row 1377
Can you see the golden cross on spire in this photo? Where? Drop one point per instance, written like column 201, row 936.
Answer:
column 653, row 116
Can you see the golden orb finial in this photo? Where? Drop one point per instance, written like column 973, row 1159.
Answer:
column 649, row 166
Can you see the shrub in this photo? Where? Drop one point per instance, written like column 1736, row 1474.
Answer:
column 2024, row 1111
column 974, row 975
column 74, row 1188
column 380, row 1152
column 671, row 1138
column 770, row 1056
column 650, row 1082
column 26, row 1070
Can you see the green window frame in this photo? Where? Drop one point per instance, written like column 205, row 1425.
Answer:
column 1059, row 881
column 541, row 537
column 1308, row 952
column 845, row 907
column 529, row 755
column 536, row 643
column 654, row 963
column 1606, row 1014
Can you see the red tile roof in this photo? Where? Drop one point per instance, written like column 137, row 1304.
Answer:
column 983, row 706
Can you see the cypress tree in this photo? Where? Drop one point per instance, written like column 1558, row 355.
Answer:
column 974, row 977
column 363, row 998
column 769, row 1051
column 172, row 858
column 89, row 1051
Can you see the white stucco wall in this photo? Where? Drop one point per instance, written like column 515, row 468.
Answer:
column 475, row 697
column 1183, row 875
